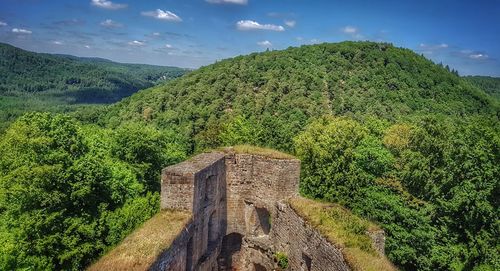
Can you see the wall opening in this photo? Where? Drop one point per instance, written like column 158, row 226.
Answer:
column 210, row 190
column 258, row 267
column 306, row 262
column 213, row 229
column 231, row 246
column 189, row 255
column 264, row 219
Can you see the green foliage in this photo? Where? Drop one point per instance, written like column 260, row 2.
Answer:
column 281, row 259
column 490, row 85
column 273, row 95
column 42, row 82
column 413, row 147
column 68, row 192
column 432, row 184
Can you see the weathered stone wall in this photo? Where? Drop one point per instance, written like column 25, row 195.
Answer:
column 257, row 181
column 197, row 185
column 306, row 248
column 175, row 257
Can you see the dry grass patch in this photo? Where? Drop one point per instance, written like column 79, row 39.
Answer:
column 141, row 248
column 259, row 151
column 344, row 230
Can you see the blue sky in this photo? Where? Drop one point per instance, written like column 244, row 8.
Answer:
column 191, row 33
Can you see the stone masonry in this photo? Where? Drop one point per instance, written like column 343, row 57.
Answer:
column 240, row 216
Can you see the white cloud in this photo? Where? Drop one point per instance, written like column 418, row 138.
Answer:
column 237, row 2
column 432, row 47
column 21, row 31
column 290, row 23
column 169, row 46
column 156, row 34
column 265, row 43
column 162, row 15
column 136, row 43
column 107, row 4
column 87, row 46
column 56, row 42
column 253, row 25
column 478, row 56
column 350, row 30
column 110, row 24
column 3, row 23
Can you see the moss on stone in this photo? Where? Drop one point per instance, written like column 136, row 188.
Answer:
column 248, row 149
column 345, row 230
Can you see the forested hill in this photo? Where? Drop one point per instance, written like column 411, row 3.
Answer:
column 490, row 85
column 79, row 80
column 283, row 90
column 380, row 130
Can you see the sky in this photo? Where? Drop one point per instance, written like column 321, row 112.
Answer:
column 191, row 33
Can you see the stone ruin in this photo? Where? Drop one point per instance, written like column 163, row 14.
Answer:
column 240, row 216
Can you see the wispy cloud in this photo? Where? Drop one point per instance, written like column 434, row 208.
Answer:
column 433, row 46
column 136, row 43
column 71, row 22
column 237, row 2
column 290, row 23
column 107, row 4
column 56, row 42
column 478, row 56
column 431, row 49
column 162, row 15
column 265, row 43
column 169, row 46
column 21, row 31
column 110, row 24
column 472, row 55
column 3, row 23
column 245, row 25
column 352, row 31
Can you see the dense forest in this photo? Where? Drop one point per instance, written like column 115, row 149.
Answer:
column 379, row 129
column 489, row 84
column 44, row 82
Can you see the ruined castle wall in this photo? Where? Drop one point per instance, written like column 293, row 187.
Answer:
column 197, row 185
column 305, row 247
column 241, row 217
column 257, row 181
column 175, row 257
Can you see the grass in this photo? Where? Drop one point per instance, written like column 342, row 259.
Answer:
column 344, row 230
column 259, row 151
column 142, row 247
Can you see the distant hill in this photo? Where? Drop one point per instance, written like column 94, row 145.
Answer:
column 61, row 83
column 280, row 91
column 80, row 80
column 490, row 85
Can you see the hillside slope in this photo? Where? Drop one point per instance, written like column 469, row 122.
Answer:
column 410, row 145
column 282, row 90
column 490, row 85
column 56, row 83
column 84, row 79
